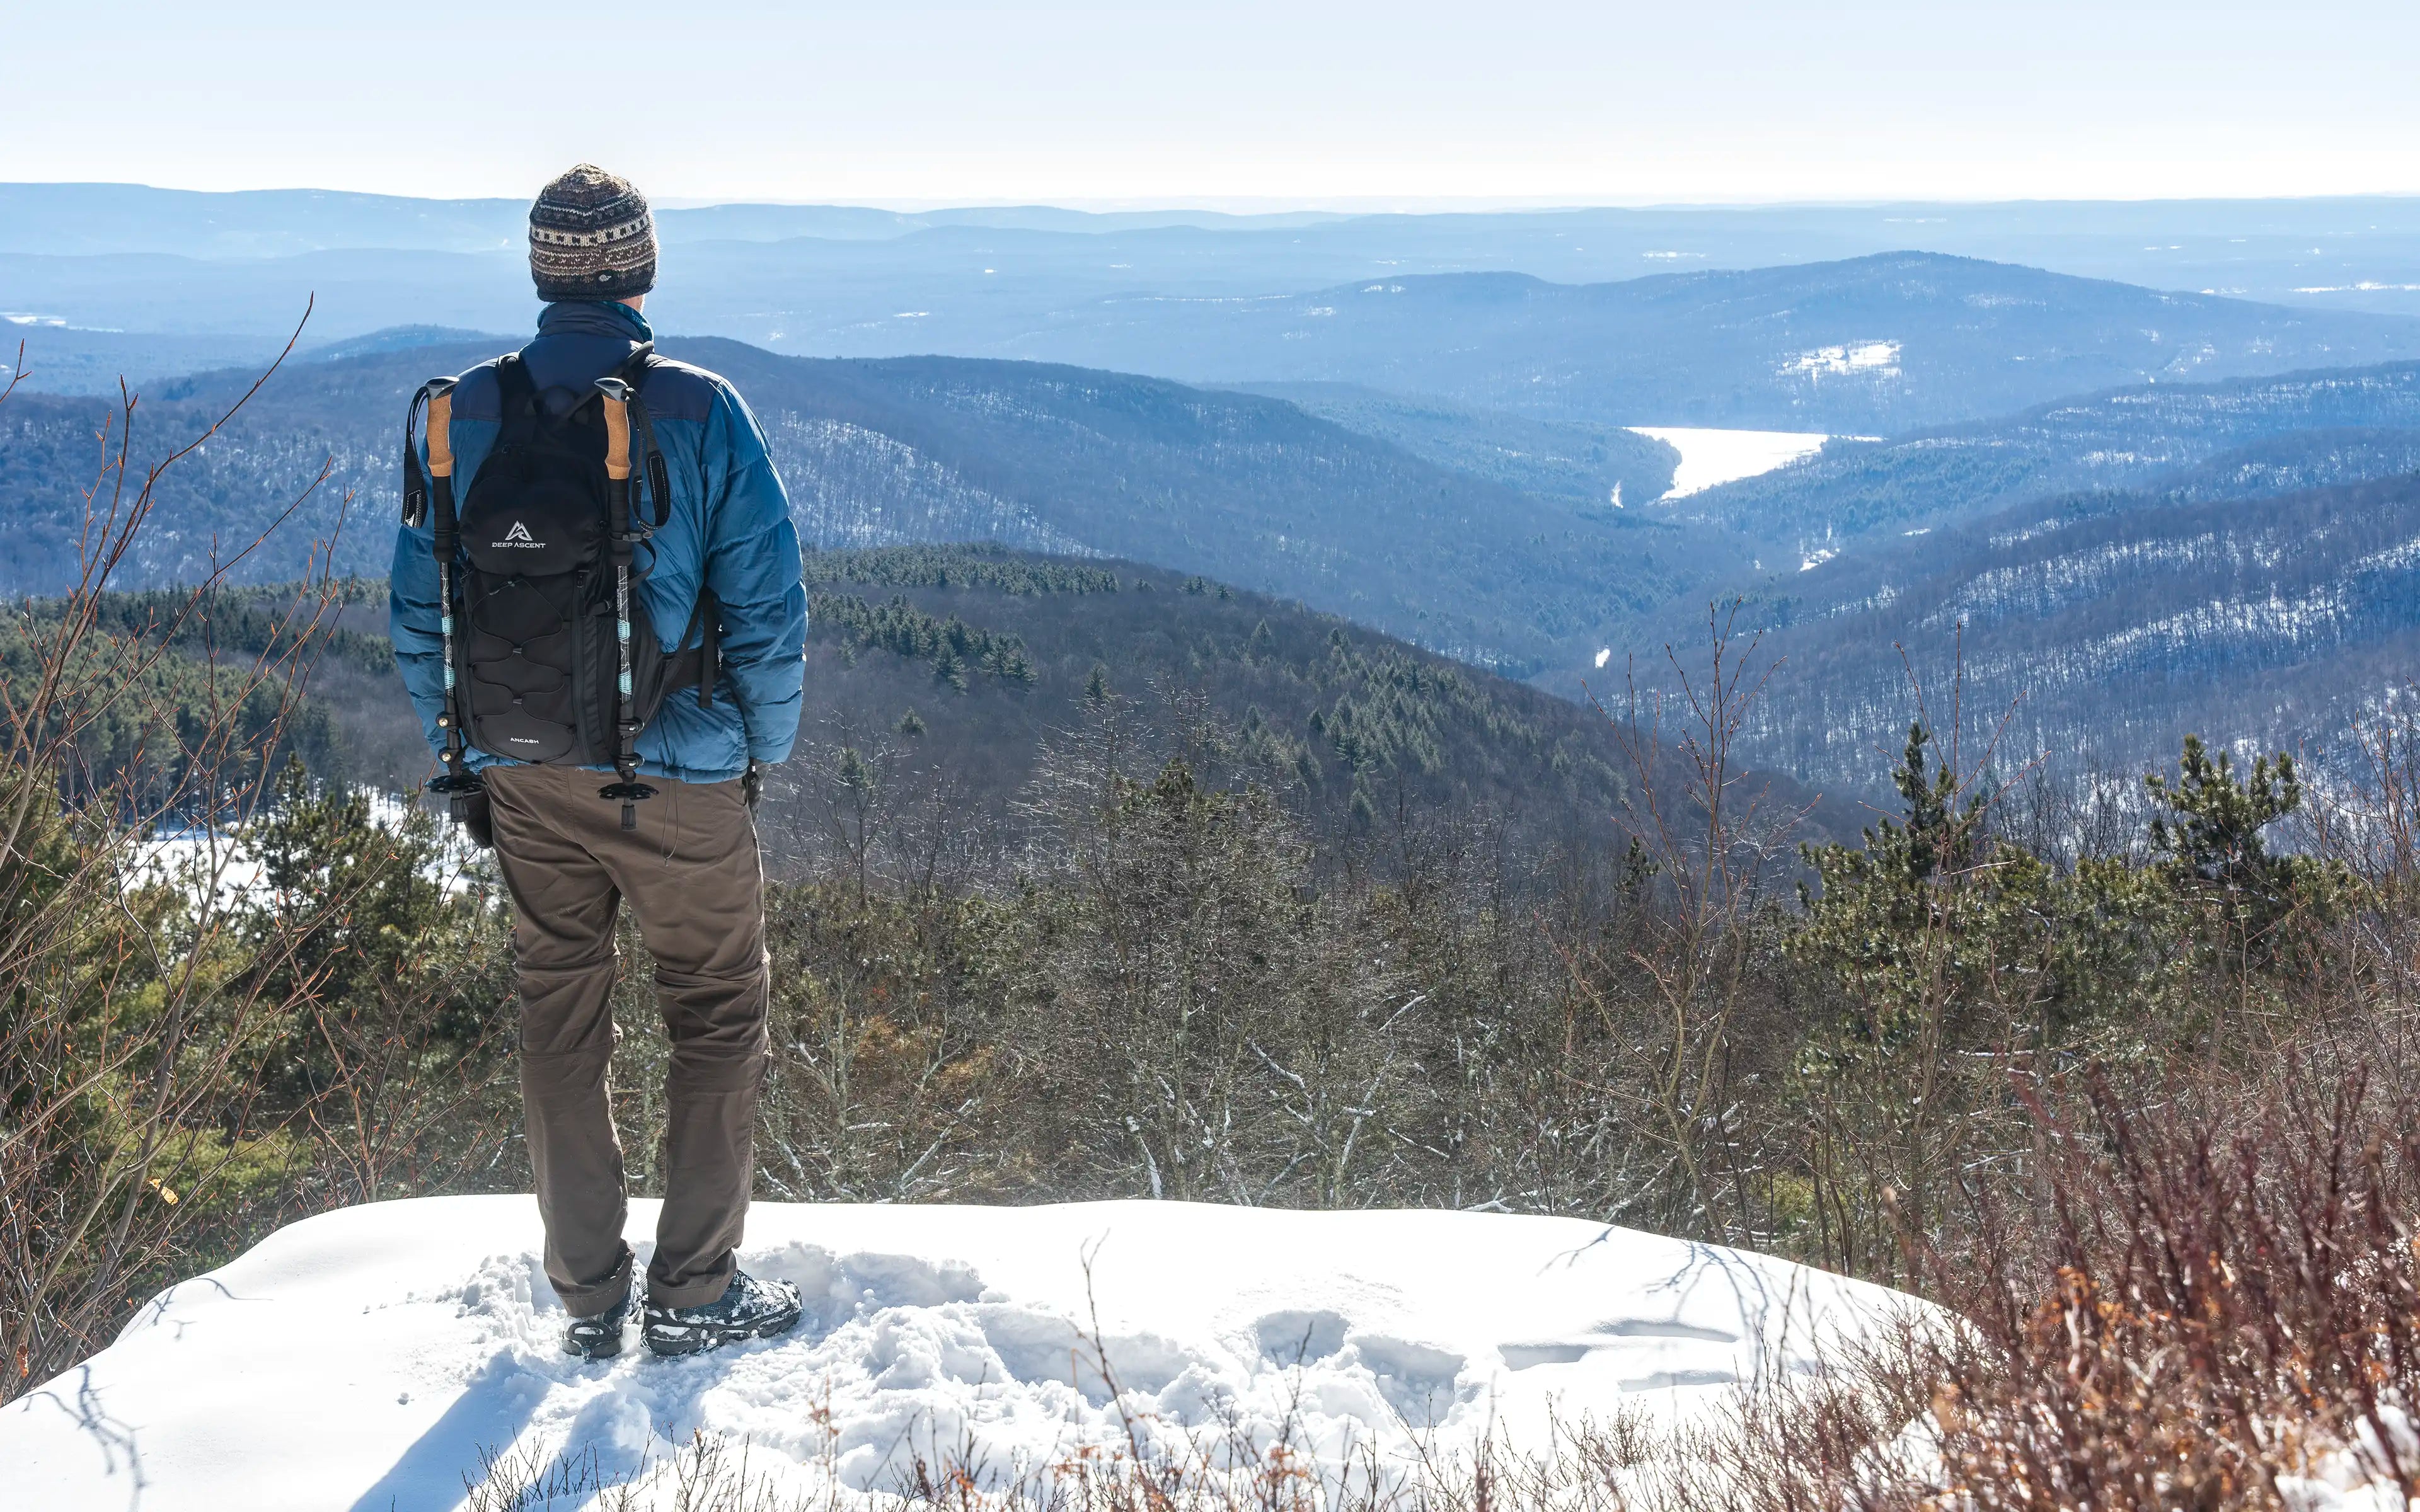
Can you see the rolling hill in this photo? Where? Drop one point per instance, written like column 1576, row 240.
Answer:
column 1343, row 720
column 1245, row 488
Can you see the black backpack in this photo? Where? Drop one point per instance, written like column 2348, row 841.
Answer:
column 549, row 653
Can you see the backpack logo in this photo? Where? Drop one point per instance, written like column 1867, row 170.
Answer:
column 519, row 536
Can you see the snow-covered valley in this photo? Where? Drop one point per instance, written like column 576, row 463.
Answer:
column 367, row 1357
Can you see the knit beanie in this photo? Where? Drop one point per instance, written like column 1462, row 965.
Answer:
column 592, row 238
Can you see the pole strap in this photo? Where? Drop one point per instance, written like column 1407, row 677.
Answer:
column 647, row 458
column 629, row 790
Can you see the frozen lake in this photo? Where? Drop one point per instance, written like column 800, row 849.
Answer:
column 1709, row 455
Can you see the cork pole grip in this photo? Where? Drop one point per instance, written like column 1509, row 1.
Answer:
column 617, row 438
column 441, row 435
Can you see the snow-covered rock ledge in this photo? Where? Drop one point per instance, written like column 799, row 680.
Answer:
column 365, row 1358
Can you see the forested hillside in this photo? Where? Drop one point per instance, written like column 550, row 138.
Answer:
column 941, row 679
column 2283, row 426
column 2105, row 628
column 1578, row 463
column 963, row 668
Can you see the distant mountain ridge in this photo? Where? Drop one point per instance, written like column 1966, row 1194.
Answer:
column 1879, row 344
column 1876, row 345
column 2347, row 252
column 87, row 219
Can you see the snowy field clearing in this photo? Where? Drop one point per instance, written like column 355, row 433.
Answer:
column 1709, row 456
column 197, row 857
column 364, row 1358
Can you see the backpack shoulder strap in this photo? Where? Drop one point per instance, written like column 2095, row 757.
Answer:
column 415, row 483
column 516, row 398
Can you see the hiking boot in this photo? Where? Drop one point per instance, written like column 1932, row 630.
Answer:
column 747, row 1309
column 599, row 1337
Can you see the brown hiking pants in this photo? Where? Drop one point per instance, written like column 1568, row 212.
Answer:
column 696, row 887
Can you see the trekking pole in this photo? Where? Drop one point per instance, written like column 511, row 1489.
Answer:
column 460, row 782
column 617, row 504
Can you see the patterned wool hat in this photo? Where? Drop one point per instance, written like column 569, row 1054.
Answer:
column 592, row 238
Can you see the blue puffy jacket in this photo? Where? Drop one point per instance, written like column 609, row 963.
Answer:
column 729, row 528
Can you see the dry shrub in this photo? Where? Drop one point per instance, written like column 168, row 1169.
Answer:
column 2228, row 1314
column 2210, row 1320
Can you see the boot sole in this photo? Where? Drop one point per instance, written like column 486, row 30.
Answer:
column 710, row 1339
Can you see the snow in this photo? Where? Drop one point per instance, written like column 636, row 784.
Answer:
column 1710, row 455
column 1869, row 359
column 196, row 858
column 364, row 1358
column 2358, row 1476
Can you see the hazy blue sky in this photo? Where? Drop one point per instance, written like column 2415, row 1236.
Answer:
column 890, row 101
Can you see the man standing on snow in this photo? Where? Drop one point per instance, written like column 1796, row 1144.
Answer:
column 602, row 633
